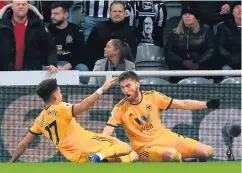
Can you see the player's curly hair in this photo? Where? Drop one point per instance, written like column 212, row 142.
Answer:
column 128, row 75
column 46, row 88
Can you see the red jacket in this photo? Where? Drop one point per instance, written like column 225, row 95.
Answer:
column 2, row 4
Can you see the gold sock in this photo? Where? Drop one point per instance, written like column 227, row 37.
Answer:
column 126, row 159
column 176, row 157
column 115, row 150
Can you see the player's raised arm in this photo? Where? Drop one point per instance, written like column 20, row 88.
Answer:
column 194, row 104
column 108, row 130
column 22, row 146
column 90, row 101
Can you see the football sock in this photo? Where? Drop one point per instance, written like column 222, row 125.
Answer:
column 115, row 150
column 176, row 157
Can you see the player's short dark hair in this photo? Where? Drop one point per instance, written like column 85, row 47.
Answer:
column 64, row 6
column 46, row 88
column 117, row 2
column 128, row 75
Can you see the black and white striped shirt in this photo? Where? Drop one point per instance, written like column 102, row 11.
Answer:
column 99, row 8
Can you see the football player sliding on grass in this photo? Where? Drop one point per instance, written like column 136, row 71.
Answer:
column 139, row 113
column 57, row 122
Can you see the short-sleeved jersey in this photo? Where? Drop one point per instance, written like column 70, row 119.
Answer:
column 142, row 121
column 58, row 124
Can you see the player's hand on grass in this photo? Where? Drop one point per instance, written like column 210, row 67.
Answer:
column 109, row 83
column 213, row 104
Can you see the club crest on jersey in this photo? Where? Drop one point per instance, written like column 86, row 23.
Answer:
column 67, row 105
column 112, row 115
column 148, row 107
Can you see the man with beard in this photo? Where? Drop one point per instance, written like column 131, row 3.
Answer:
column 139, row 113
column 69, row 40
column 114, row 28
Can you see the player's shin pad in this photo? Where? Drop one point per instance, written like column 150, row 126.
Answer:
column 177, row 157
column 115, row 151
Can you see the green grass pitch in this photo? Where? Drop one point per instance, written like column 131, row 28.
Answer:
column 207, row 167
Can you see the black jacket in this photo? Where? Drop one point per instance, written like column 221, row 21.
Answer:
column 70, row 43
column 39, row 47
column 229, row 43
column 209, row 11
column 197, row 47
column 105, row 31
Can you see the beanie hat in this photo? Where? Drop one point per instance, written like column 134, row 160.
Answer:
column 189, row 9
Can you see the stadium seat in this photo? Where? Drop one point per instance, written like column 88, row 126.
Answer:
column 195, row 80
column 173, row 8
column 140, row 68
column 153, row 81
column 171, row 23
column 234, row 80
column 150, row 56
column 151, row 64
column 149, row 53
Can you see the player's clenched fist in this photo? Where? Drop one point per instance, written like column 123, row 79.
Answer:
column 213, row 104
column 109, row 83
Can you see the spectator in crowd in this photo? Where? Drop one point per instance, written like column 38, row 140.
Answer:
column 210, row 13
column 3, row 3
column 115, row 28
column 25, row 43
column 190, row 46
column 149, row 17
column 116, row 54
column 94, row 11
column 229, row 40
column 44, row 8
column 69, row 40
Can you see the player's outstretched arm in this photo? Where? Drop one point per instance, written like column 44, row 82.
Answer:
column 22, row 146
column 90, row 101
column 195, row 104
column 108, row 130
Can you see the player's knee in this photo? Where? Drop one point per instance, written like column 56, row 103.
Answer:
column 134, row 156
column 129, row 149
column 126, row 146
column 171, row 155
column 207, row 153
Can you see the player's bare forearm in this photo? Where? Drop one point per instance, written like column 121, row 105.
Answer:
column 194, row 104
column 18, row 152
column 85, row 104
column 108, row 130
column 90, row 101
